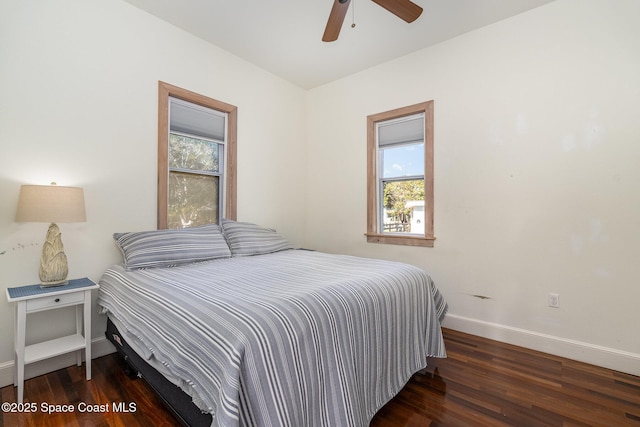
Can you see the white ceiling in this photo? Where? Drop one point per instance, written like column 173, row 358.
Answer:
column 284, row 37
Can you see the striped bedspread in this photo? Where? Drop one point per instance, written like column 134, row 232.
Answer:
column 294, row 338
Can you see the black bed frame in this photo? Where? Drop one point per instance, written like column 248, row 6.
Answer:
column 176, row 400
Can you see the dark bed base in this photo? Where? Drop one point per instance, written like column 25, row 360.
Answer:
column 178, row 402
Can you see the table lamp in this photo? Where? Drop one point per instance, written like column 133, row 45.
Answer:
column 51, row 203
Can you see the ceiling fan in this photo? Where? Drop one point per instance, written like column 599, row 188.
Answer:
column 403, row 9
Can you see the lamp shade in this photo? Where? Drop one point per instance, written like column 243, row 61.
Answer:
column 50, row 203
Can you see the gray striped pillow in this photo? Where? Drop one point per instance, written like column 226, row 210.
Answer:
column 166, row 248
column 245, row 238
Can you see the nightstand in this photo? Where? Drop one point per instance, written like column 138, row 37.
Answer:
column 33, row 298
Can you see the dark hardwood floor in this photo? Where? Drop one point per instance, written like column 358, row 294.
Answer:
column 481, row 383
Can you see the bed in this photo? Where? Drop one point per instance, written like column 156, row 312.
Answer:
column 251, row 332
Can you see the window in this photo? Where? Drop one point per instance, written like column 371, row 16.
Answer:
column 400, row 176
column 196, row 159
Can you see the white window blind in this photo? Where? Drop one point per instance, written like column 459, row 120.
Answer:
column 195, row 120
column 405, row 130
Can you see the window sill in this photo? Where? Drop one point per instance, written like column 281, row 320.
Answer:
column 394, row 239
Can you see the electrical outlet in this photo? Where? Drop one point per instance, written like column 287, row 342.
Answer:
column 554, row 300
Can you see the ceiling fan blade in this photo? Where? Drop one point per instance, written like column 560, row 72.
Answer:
column 403, row 9
column 336, row 18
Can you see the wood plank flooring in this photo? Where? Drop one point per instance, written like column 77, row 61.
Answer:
column 481, row 383
column 487, row 383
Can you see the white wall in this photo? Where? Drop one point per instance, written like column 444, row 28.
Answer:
column 537, row 167
column 78, row 105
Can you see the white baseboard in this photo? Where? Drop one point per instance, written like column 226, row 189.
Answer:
column 99, row 347
column 606, row 357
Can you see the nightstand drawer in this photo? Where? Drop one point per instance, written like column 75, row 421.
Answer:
column 55, row 301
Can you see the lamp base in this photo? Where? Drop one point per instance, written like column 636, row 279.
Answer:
column 53, row 263
column 53, row 284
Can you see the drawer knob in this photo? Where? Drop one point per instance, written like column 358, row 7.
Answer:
column 57, row 299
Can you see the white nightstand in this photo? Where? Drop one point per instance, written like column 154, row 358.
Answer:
column 33, row 298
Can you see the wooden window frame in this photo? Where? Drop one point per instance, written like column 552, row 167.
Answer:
column 165, row 91
column 373, row 234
